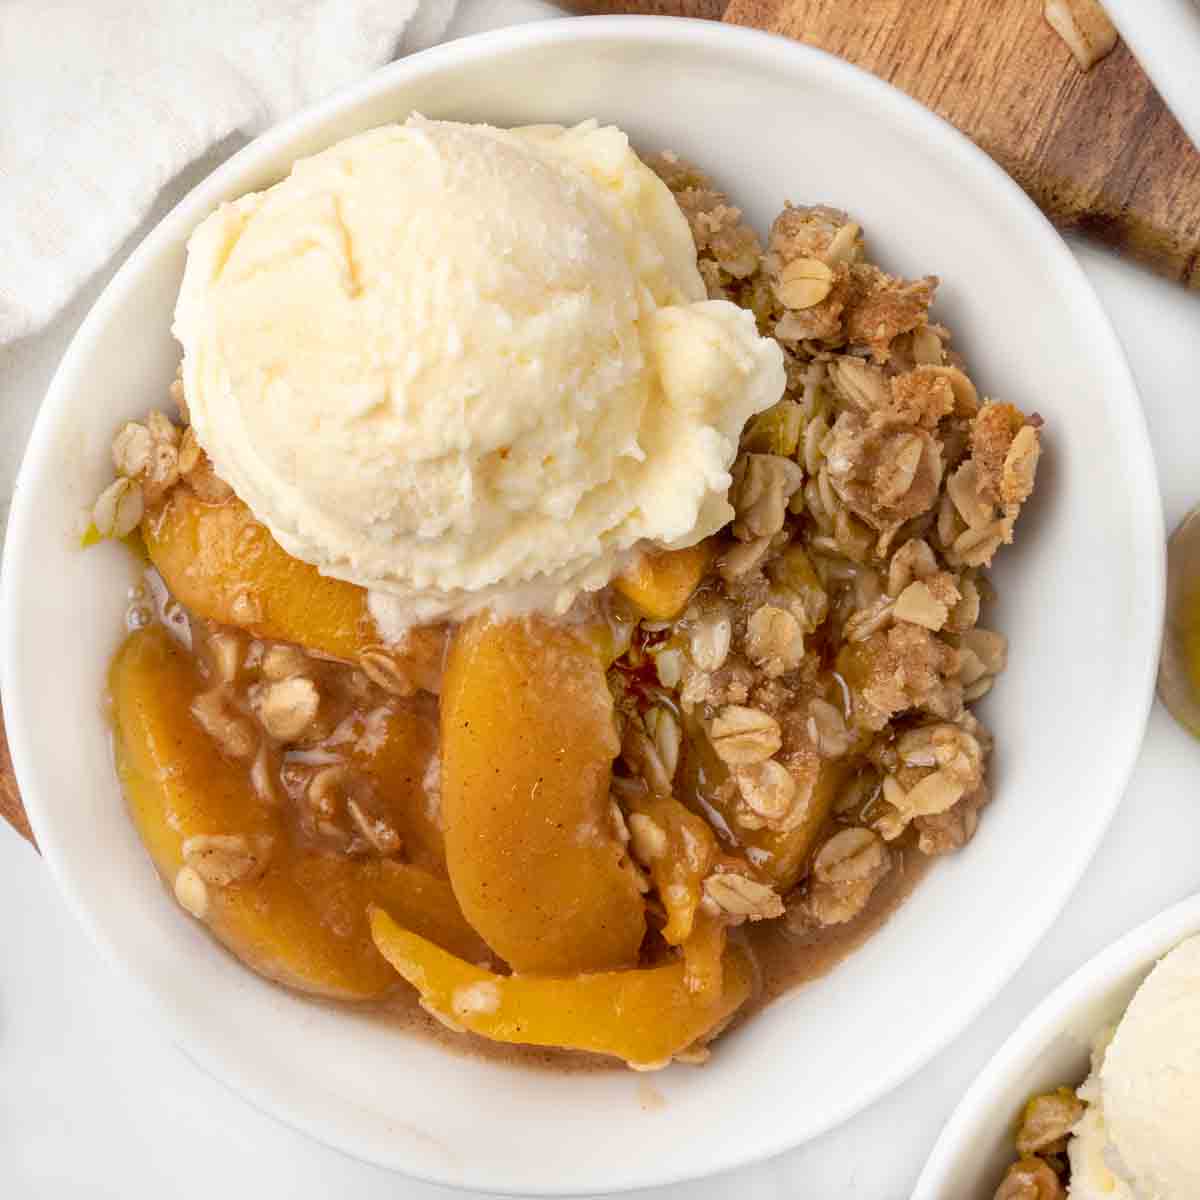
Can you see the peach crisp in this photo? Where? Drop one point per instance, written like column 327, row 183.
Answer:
column 613, row 829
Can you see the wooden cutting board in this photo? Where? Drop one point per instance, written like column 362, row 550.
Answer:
column 10, row 798
column 1099, row 152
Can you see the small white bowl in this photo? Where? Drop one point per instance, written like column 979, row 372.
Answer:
column 1081, row 597
column 1050, row 1049
column 1165, row 37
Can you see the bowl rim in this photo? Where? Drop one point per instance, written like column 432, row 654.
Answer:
column 1140, row 947
column 546, row 35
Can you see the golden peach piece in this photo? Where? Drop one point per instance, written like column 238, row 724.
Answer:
column 781, row 857
column 527, row 746
column 220, row 563
column 643, row 1016
column 680, row 864
column 659, row 585
column 297, row 916
column 681, row 850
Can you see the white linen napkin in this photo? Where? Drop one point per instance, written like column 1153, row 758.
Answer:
column 102, row 102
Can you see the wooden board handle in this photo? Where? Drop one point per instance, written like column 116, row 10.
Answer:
column 11, row 808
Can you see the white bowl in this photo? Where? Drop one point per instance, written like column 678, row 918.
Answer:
column 1051, row 1048
column 1165, row 36
column 1081, row 597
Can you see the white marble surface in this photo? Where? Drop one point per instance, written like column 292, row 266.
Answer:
column 94, row 1103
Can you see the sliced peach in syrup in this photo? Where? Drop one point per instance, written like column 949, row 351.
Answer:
column 220, row 563
column 687, row 851
column 644, row 1016
column 528, row 740
column 781, row 857
column 660, row 584
column 680, row 865
column 302, row 919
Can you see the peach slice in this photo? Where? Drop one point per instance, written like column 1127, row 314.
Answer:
column 679, row 868
column 528, row 740
column 780, row 857
column 302, row 921
column 659, row 585
column 220, row 563
column 644, row 1016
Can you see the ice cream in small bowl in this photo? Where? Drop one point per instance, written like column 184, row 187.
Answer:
column 1097, row 1094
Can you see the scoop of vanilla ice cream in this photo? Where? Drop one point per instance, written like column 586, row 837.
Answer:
column 468, row 367
column 1150, row 1083
column 1090, row 1149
